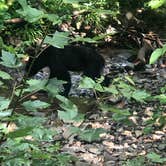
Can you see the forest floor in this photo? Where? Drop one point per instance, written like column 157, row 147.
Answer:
column 122, row 143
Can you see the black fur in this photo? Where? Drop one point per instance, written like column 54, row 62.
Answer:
column 71, row 58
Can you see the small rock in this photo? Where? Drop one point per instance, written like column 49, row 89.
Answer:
column 147, row 146
column 109, row 163
column 127, row 133
column 81, row 163
column 156, row 137
column 138, row 133
column 109, row 144
column 107, row 156
column 94, row 150
column 155, row 145
column 162, row 147
column 73, row 149
column 121, row 129
column 134, row 146
column 120, row 138
column 130, row 149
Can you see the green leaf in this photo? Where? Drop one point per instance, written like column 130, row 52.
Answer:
column 20, row 132
column 87, row 82
column 130, row 80
column 67, row 116
column 111, row 89
column 147, row 130
column 54, row 86
column 23, row 3
column 155, row 55
column 136, row 161
column 32, row 106
column 1, row 43
column 161, row 98
column 5, row 113
column 9, row 60
column 59, row 39
column 4, row 103
column 41, row 156
column 84, row 39
column 164, row 48
column 120, row 115
column 91, row 135
column 66, row 104
column 65, row 159
column 54, row 18
column 5, row 75
column 36, row 85
column 26, row 121
column 99, row 88
column 140, row 95
column 71, row 112
column 74, row 130
column 28, row 13
column 72, row 1
column 18, row 145
column 18, row 161
column 154, row 4
column 125, row 89
column 156, row 158
column 1, row 83
column 43, row 134
column 105, row 107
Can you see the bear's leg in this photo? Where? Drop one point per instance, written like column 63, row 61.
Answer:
column 92, row 71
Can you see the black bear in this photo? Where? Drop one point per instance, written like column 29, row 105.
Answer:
column 71, row 58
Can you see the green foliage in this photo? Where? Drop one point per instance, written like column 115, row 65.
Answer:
column 54, row 87
column 31, row 142
column 26, row 121
column 89, row 135
column 59, row 39
column 157, row 118
column 4, row 103
column 128, row 91
column 88, row 83
column 25, row 143
column 5, row 113
column 148, row 129
column 32, row 106
column 28, row 13
column 156, row 158
column 22, row 132
column 84, row 40
column 157, row 54
column 54, row 18
column 5, row 75
column 9, row 60
column 138, row 161
column 35, row 85
column 154, row 4
column 3, row 13
column 117, row 88
column 161, row 98
column 71, row 113
column 119, row 115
